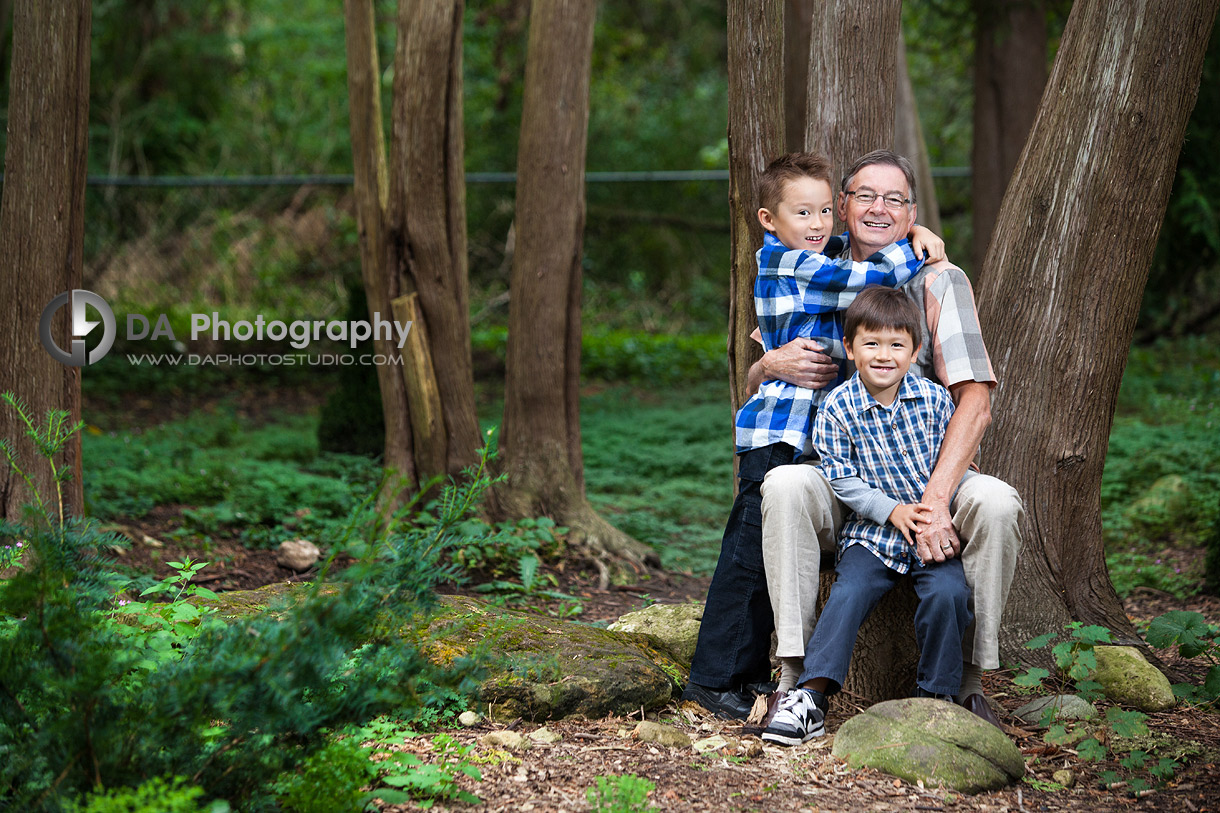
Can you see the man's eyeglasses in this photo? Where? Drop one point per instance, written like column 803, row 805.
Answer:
column 890, row 201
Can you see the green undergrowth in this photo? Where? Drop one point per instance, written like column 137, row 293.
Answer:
column 264, row 483
column 659, row 465
column 1160, row 491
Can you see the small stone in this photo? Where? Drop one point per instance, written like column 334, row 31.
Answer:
column 508, row 740
column 545, row 736
column 707, row 744
column 469, row 718
column 1064, row 777
column 297, row 554
column 648, row 731
column 1066, row 707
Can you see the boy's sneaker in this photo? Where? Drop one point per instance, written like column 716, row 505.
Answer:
column 800, row 718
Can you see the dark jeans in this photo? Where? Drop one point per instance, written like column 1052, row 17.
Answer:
column 941, row 619
column 735, row 637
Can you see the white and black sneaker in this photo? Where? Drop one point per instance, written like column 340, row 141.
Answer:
column 799, row 719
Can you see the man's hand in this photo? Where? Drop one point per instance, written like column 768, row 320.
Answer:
column 906, row 518
column 801, row 362
column 926, row 241
column 935, row 539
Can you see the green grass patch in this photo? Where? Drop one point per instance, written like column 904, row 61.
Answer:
column 265, row 483
column 1160, row 492
column 659, row 465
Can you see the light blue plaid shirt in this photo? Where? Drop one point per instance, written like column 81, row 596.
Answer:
column 890, row 451
column 804, row 294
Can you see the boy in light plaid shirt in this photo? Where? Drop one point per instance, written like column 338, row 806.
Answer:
column 799, row 292
column 878, row 437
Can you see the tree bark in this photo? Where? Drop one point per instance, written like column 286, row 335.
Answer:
column 853, row 76
column 756, row 137
column 908, row 141
column 1010, row 43
column 427, row 211
column 853, row 69
column 372, row 195
column 42, row 227
column 541, row 438
column 1062, row 284
column 412, row 221
column 798, row 17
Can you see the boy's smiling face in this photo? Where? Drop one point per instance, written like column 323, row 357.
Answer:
column 804, row 217
column 882, row 357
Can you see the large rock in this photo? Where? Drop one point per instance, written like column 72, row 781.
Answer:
column 673, row 628
column 938, row 743
column 1127, row 678
column 544, row 669
column 533, row 667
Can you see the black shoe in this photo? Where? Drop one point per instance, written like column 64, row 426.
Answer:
column 762, row 687
column 731, row 704
column 919, row 692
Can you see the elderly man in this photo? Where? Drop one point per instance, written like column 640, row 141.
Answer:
column 978, row 521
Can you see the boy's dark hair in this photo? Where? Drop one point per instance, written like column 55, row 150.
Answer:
column 880, row 308
column 886, row 158
column 790, row 167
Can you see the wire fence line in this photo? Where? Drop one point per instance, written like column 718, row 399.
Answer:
column 645, row 176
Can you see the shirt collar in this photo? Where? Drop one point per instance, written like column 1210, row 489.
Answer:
column 862, row 400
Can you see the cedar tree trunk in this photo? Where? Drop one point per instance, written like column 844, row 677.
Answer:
column 42, row 227
column 798, row 16
column 853, row 77
column 853, row 69
column 541, row 437
column 412, row 225
column 756, row 137
column 1062, row 284
column 1009, row 76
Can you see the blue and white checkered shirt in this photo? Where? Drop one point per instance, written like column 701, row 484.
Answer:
column 804, row 294
column 890, row 451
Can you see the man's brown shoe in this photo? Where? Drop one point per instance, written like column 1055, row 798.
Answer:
column 977, row 705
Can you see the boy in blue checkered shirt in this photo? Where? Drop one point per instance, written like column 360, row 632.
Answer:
column 878, row 437
column 800, row 292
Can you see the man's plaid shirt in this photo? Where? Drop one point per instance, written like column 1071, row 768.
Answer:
column 804, row 294
column 877, row 457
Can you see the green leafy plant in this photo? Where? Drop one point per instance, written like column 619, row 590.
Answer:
column 1194, row 638
column 157, row 795
column 626, row 793
column 330, row 779
column 1076, row 661
column 409, row 777
column 233, row 706
column 158, row 631
column 532, row 584
column 1074, row 658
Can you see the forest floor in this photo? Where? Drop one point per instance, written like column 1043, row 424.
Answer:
column 556, row 777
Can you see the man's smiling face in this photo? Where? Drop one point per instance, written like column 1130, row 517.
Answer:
column 875, row 226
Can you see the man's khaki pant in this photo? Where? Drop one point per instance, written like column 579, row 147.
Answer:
column 801, row 517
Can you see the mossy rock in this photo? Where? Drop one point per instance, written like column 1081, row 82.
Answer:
column 1127, row 678
column 545, row 669
column 534, row 667
column 930, row 741
column 673, row 628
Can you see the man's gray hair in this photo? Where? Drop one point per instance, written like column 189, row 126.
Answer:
column 886, row 158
